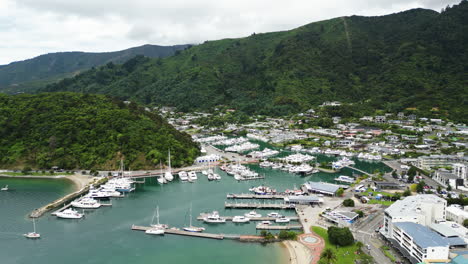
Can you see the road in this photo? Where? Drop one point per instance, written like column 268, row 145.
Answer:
column 365, row 232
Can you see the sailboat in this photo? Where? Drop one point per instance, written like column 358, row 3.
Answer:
column 156, row 229
column 191, row 228
column 4, row 188
column 161, row 179
column 33, row 234
column 168, row 174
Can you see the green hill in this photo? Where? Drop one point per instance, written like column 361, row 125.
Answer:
column 28, row 74
column 73, row 130
column 413, row 59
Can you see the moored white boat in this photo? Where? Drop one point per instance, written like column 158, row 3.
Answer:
column 282, row 219
column 33, row 234
column 5, row 188
column 86, row 203
column 69, row 214
column 183, row 176
column 240, row 219
column 252, row 214
column 214, row 218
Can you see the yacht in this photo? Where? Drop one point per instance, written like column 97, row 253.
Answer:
column 155, row 231
column 33, row 234
column 69, row 214
column 262, row 190
column 240, row 219
column 211, row 177
column 157, row 225
column 214, row 218
column 253, row 214
column 86, row 203
column 264, row 223
column 192, row 175
column 183, row 176
column 282, row 219
column 5, row 188
column 217, row 176
column 192, row 228
column 204, row 172
column 273, row 214
column 345, row 179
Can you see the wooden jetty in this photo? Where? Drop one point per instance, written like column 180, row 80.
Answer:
column 278, row 227
column 229, row 218
column 259, row 205
column 255, row 196
column 181, row 232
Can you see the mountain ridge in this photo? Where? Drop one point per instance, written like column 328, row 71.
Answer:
column 52, row 67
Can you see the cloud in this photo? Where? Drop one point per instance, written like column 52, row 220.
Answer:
column 33, row 27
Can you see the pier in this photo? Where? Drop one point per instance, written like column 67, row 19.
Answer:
column 256, row 196
column 69, row 205
column 259, row 205
column 278, row 227
column 358, row 170
column 229, row 218
column 181, row 232
column 252, row 178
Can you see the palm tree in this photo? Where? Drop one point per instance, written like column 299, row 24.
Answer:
column 328, row 256
column 359, row 245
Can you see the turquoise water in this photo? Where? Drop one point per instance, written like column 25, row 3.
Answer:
column 104, row 236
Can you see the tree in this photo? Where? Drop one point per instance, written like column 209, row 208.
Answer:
column 348, row 202
column 328, row 256
column 439, row 189
column 340, row 236
column 394, row 174
column 360, row 213
column 340, row 192
column 420, row 187
column 407, row 192
column 449, row 187
column 359, row 245
column 465, row 223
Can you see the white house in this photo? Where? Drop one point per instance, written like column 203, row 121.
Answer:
column 457, row 214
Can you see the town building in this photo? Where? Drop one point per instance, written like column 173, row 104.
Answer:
column 446, row 178
column 422, row 209
column 457, row 214
column 418, row 243
column 428, row 162
column 321, row 187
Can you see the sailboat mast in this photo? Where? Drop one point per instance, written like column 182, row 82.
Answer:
column 157, row 214
column 34, row 225
column 190, row 215
column 169, row 160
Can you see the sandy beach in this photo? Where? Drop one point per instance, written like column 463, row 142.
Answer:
column 298, row 253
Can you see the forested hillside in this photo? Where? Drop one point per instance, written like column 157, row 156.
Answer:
column 416, row 59
column 73, row 130
column 26, row 75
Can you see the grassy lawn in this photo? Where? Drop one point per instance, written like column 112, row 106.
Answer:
column 344, row 255
column 34, row 173
column 388, row 254
column 369, row 190
column 386, row 203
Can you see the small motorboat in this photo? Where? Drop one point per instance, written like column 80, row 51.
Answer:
column 240, row 219
column 273, row 214
column 155, row 231
column 252, row 214
column 282, row 219
column 5, row 188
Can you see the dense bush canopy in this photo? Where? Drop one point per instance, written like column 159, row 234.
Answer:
column 71, row 130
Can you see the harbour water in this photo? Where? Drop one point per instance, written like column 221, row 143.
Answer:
column 104, row 235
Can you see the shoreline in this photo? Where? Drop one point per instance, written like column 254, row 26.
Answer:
column 297, row 252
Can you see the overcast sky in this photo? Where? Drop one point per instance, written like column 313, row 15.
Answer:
column 29, row 28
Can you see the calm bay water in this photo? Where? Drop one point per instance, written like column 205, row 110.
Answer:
column 104, row 236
